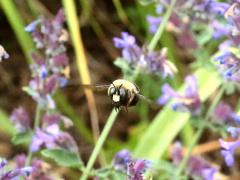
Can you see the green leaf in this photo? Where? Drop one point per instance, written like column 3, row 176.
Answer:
column 117, row 175
column 6, row 125
column 22, row 138
column 235, row 51
column 29, row 91
column 104, row 173
column 63, row 157
column 204, row 37
column 124, row 66
column 146, row 2
column 168, row 123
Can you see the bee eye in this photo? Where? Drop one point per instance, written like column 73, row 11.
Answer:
column 112, row 91
column 122, row 93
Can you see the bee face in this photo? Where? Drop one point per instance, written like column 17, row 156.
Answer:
column 123, row 93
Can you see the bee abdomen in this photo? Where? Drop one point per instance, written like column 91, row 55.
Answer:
column 134, row 101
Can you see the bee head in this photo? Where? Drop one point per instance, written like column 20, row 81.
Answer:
column 118, row 95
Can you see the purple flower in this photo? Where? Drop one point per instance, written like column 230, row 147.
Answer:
column 51, row 84
column 65, row 141
column 60, row 60
column 157, row 63
column 50, row 119
column 150, row 62
column 43, row 138
column 228, row 150
column 134, row 168
column 234, row 131
column 32, row 26
column 14, row 173
column 208, row 173
column 220, row 30
column 186, row 39
column 40, row 169
column 52, row 137
column 55, row 118
column 229, row 66
column 176, row 24
column 3, row 163
column 159, row 9
column 218, row 7
column 222, row 112
column 235, row 117
column 153, row 22
column 121, row 160
column 196, row 166
column 21, row 119
column 41, row 91
column 131, row 52
column 3, row 54
column 190, row 101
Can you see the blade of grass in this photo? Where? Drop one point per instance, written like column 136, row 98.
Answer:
column 17, row 24
column 86, row 10
column 72, row 20
column 120, row 11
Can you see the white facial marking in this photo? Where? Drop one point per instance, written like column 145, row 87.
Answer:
column 116, row 98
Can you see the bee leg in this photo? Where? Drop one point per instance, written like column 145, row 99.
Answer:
column 131, row 97
column 126, row 108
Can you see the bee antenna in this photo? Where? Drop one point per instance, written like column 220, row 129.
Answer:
column 113, row 85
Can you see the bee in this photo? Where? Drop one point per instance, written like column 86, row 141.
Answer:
column 123, row 93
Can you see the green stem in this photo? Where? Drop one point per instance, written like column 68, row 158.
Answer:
column 99, row 144
column 186, row 158
column 161, row 28
column 186, row 134
column 36, row 125
column 199, row 132
column 37, row 117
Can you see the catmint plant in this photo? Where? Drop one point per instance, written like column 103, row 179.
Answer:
column 49, row 72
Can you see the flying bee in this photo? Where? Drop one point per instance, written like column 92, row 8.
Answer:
column 123, row 93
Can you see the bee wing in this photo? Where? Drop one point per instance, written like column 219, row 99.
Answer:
column 95, row 87
column 88, row 86
column 152, row 104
